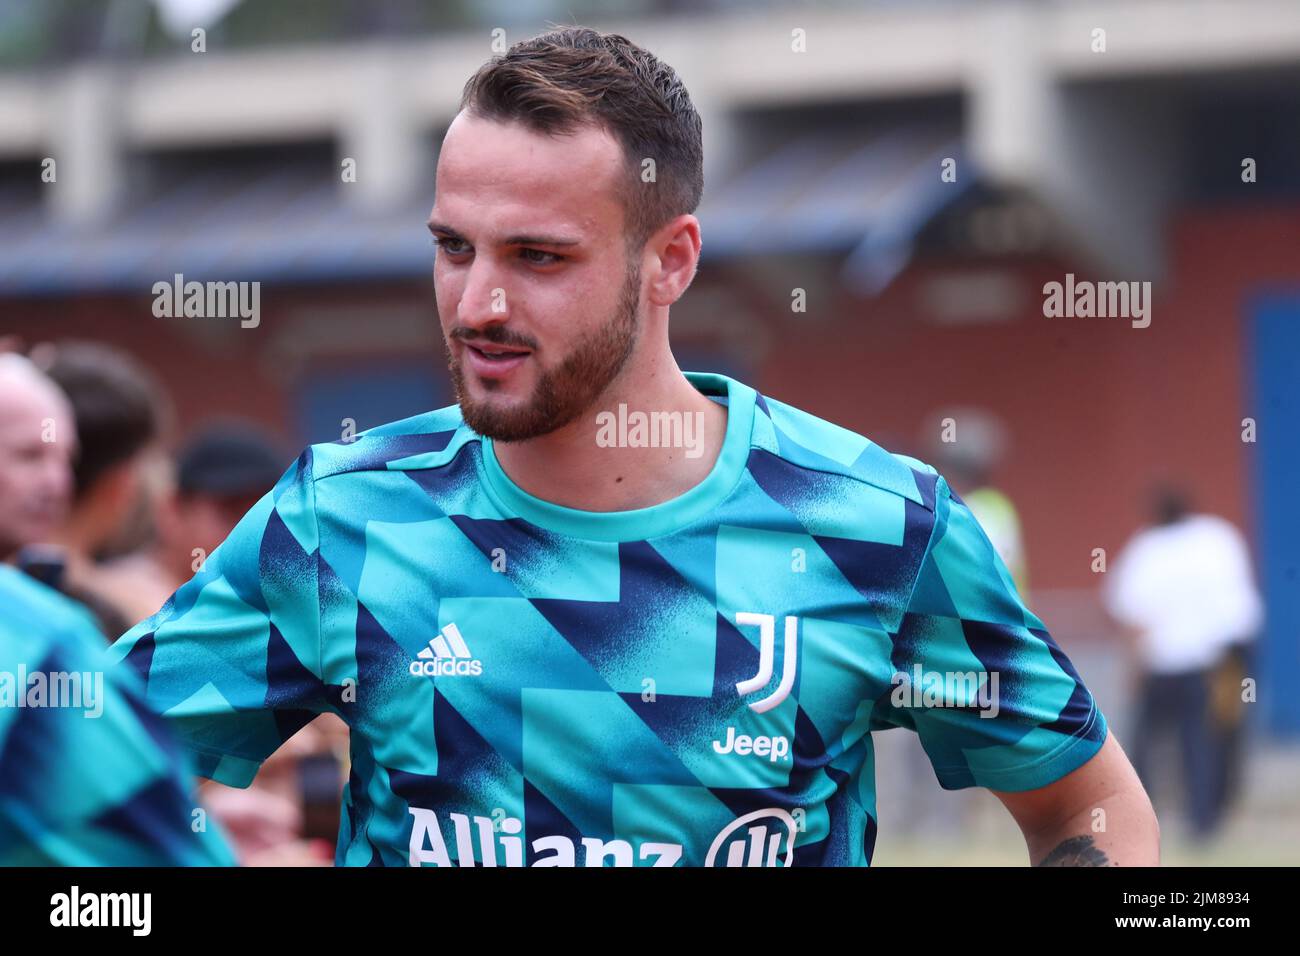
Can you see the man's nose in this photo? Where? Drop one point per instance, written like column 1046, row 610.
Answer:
column 485, row 299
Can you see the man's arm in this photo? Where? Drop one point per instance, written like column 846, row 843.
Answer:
column 233, row 659
column 1034, row 735
column 1097, row 815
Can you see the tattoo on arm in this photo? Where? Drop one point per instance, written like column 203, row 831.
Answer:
column 1076, row 851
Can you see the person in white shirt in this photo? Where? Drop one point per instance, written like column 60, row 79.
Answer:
column 1183, row 589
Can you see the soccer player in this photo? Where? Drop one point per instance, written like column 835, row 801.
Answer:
column 602, row 611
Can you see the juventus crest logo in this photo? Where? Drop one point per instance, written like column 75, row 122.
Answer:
column 767, row 658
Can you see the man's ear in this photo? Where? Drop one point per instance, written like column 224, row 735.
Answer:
column 677, row 245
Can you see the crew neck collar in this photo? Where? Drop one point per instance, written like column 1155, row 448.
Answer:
column 656, row 520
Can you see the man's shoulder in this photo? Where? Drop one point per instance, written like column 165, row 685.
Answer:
column 424, row 440
column 807, row 441
column 38, row 614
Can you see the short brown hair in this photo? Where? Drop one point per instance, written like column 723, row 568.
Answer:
column 118, row 404
column 562, row 80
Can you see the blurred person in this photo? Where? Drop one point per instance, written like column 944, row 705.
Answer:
column 121, row 415
column 555, row 642
column 88, row 775
column 38, row 440
column 219, row 474
column 128, row 804
column 969, row 464
column 1184, row 591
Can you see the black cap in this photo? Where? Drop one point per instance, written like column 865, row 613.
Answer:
column 229, row 459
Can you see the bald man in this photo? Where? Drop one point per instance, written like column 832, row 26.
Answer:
column 38, row 443
column 62, row 702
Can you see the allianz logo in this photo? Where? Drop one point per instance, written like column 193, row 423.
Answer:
column 758, row 839
column 446, row 656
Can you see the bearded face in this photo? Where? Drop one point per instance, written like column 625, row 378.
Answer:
column 563, row 388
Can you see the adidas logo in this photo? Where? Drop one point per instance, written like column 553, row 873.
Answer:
column 446, row 656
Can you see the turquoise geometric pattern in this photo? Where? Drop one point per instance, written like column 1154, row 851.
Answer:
column 694, row 683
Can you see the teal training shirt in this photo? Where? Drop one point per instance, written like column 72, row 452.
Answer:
column 693, row 683
column 89, row 776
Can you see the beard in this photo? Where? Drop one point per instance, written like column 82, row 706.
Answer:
column 564, row 392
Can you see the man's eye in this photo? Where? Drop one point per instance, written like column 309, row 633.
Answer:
column 447, row 245
column 546, row 258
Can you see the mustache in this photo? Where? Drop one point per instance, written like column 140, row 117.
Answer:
column 494, row 335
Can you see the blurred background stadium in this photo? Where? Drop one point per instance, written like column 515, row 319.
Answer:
column 924, row 294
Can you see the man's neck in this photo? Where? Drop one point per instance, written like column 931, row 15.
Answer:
column 575, row 467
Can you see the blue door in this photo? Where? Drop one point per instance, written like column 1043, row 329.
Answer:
column 1275, row 406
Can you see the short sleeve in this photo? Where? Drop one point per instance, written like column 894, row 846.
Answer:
column 996, row 703
column 233, row 657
